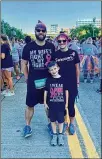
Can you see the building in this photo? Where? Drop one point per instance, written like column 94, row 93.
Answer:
column 54, row 28
column 96, row 22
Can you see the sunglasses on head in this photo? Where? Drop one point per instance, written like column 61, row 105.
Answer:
column 39, row 30
column 64, row 41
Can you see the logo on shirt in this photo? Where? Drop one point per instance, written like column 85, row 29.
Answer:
column 69, row 58
column 38, row 59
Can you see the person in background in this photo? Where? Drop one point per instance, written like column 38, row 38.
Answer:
column 74, row 45
column 21, row 46
column 7, row 65
column 15, row 56
column 100, row 66
column 89, row 62
column 27, row 39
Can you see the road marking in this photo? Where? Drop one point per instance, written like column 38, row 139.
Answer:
column 73, row 142
column 90, row 148
column 74, row 146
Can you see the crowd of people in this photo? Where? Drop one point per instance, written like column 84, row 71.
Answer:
column 51, row 68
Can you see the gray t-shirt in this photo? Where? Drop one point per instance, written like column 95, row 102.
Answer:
column 89, row 49
column 74, row 46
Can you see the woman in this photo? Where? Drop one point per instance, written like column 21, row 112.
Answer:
column 68, row 60
column 7, row 65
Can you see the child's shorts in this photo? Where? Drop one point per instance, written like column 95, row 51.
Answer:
column 56, row 116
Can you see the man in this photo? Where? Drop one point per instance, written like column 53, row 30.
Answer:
column 38, row 54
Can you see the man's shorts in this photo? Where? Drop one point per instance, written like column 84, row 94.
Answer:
column 56, row 116
column 34, row 97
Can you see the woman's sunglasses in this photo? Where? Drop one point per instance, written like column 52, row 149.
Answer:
column 64, row 41
column 39, row 30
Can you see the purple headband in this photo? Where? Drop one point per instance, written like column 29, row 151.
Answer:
column 62, row 35
column 40, row 25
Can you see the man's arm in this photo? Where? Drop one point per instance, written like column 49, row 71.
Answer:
column 24, row 65
column 45, row 100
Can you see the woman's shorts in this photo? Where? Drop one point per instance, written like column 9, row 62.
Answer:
column 10, row 69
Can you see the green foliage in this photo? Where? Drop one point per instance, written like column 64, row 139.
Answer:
column 85, row 31
column 9, row 31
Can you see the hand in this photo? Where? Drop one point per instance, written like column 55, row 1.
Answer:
column 26, row 80
column 77, row 85
column 46, row 106
column 66, row 106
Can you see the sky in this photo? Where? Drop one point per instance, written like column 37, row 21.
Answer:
column 25, row 14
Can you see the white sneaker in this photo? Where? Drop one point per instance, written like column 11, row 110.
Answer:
column 85, row 80
column 8, row 94
column 91, row 81
column 4, row 92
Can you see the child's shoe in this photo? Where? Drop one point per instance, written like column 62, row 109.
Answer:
column 60, row 139
column 91, row 81
column 54, row 140
column 85, row 80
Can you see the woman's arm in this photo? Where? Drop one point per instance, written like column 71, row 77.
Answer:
column 77, row 73
column 2, row 55
column 67, row 97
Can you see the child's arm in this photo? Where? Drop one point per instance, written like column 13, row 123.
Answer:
column 45, row 99
column 67, row 97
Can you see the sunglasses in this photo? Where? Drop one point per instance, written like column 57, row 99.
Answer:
column 39, row 30
column 64, row 41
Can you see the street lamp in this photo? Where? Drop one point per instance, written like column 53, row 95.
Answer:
column 94, row 19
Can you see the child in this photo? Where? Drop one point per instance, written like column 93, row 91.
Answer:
column 56, row 101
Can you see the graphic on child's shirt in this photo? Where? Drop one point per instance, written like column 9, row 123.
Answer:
column 37, row 58
column 56, row 93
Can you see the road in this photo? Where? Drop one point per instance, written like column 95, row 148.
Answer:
column 86, row 143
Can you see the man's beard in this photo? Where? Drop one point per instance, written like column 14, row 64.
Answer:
column 40, row 38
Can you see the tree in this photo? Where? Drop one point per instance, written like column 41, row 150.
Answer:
column 8, row 30
column 84, row 31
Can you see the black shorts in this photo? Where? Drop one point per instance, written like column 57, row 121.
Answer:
column 56, row 116
column 34, row 97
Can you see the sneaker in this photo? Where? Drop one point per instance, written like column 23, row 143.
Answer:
column 71, row 129
column 85, row 80
column 65, row 127
column 8, row 94
column 50, row 129
column 99, row 91
column 27, row 131
column 54, row 140
column 91, row 81
column 60, row 139
column 4, row 92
